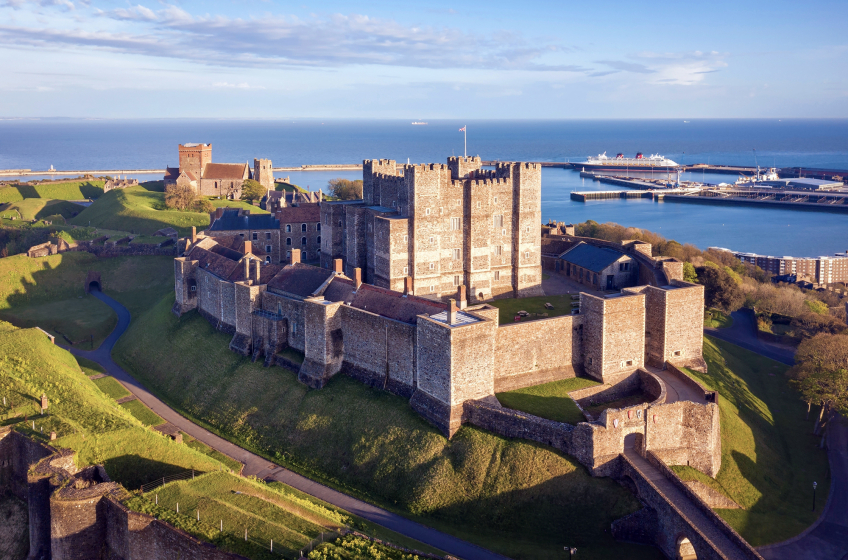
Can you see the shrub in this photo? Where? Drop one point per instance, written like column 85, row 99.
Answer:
column 251, row 191
column 179, row 197
column 345, row 189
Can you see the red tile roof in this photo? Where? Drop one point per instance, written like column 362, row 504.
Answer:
column 299, row 279
column 303, row 213
column 226, row 171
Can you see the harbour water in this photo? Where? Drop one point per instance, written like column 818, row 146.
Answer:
column 152, row 144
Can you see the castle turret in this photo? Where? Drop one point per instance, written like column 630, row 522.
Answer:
column 263, row 173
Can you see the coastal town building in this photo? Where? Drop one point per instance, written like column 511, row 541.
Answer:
column 222, row 180
column 275, row 200
column 260, row 232
column 118, row 183
column 600, row 268
column 442, row 226
column 817, row 270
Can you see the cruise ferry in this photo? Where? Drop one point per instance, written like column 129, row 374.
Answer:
column 653, row 162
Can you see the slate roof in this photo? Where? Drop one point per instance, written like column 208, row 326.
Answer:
column 219, row 265
column 393, row 304
column 230, row 220
column 266, row 272
column 303, row 213
column 590, row 257
column 299, row 279
column 226, row 171
column 171, row 174
column 339, row 289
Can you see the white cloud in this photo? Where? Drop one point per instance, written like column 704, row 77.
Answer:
column 242, row 85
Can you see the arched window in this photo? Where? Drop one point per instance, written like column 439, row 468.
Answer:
column 304, row 256
column 288, row 228
column 318, row 226
column 288, row 240
column 302, row 227
column 318, row 240
column 303, row 241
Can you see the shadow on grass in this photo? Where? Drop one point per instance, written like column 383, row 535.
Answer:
column 133, row 470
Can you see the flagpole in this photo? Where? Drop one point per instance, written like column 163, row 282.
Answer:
column 465, row 134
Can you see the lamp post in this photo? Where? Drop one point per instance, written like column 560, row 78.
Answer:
column 814, row 496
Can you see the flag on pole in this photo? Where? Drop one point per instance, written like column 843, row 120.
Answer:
column 462, row 129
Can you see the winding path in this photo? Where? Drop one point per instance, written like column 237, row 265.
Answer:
column 257, row 466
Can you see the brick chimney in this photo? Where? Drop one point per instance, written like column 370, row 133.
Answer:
column 357, row 278
column 247, row 270
column 408, row 289
column 338, row 266
column 460, row 297
column 258, row 271
column 219, row 213
column 248, row 248
column 452, row 311
column 295, row 256
column 193, row 234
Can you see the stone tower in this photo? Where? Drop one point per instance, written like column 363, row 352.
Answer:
column 194, row 157
column 263, row 173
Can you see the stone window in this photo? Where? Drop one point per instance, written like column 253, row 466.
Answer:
column 457, row 254
column 318, row 226
column 503, row 232
column 268, row 259
column 478, row 204
column 678, row 353
column 267, row 235
column 303, row 241
column 498, row 250
column 318, row 240
column 267, row 248
column 340, row 223
column 255, row 236
column 499, row 221
column 427, row 212
column 432, row 288
column 288, row 255
column 432, row 239
column 496, row 200
column 327, row 220
column 628, row 363
column 241, row 234
column 406, row 271
column 623, row 267
column 304, row 256
column 456, row 223
column 288, row 240
column 590, row 360
column 288, row 228
column 526, row 254
column 497, row 275
column 432, row 266
column 302, row 227
column 457, row 280
column 406, row 239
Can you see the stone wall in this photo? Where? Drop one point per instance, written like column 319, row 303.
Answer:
column 614, row 335
column 489, row 415
column 534, row 352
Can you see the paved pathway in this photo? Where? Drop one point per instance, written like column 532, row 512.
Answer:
column 743, row 333
column 828, row 538
column 675, row 389
column 256, row 465
column 704, row 524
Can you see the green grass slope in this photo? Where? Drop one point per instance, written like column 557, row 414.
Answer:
column 549, row 400
column 66, row 190
column 138, row 210
column 769, row 456
column 40, row 208
column 516, row 497
column 84, row 418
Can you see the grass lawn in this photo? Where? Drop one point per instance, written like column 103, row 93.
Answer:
column 769, row 456
column 66, row 190
column 206, row 450
column 111, row 387
column 82, row 319
column 40, row 208
column 624, row 402
column 142, row 413
column 84, row 418
column 138, row 210
column 517, row 497
column 533, row 305
column 716, row 319
column 88, row 367
column 549, row 400
column 224, row 203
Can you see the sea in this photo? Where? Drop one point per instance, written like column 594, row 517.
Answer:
column 91, row 144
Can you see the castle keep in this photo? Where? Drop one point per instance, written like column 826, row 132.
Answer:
column 443, row 226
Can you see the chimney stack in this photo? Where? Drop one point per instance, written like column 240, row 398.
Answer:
column 408, row 289
column 247, row 247
column 247, row 270
column 338, row 266
column 357, row 278
column 295, row 256
column 193, row 234
column 219, row 213
column 460, row 297
column 452, row 311
column 258, row 271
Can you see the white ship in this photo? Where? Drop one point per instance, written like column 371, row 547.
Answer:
column 419, row 123
column 770, row 175
column 655, row 162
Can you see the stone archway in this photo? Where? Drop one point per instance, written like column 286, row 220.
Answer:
column 684, row 548
column 92, row 282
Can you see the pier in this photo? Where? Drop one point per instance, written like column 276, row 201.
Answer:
column 607, row 195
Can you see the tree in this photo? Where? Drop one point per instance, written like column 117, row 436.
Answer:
column 345, row 189
column 720, row 290
column 179, row 197
column 689, row 274
column 251, row 191
column 820, row 373
column 202, row 205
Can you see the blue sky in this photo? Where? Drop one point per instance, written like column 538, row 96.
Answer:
column 427, row 60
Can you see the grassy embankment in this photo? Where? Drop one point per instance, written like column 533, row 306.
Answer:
column 513, row 496
column 714, row 318
column 769, row 456
column 535, row 306
column 66, row 190
column 39, row 209
column 138, row 210
column 549, row 400
column 49, row 292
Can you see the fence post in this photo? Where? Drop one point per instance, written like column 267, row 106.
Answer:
column 178, row 507
column 222, row 525
column 198, row 515
column 245, row 533
column 157, row 499
column 272, row 545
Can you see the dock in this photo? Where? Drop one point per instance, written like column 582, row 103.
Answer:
column 607, row 195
